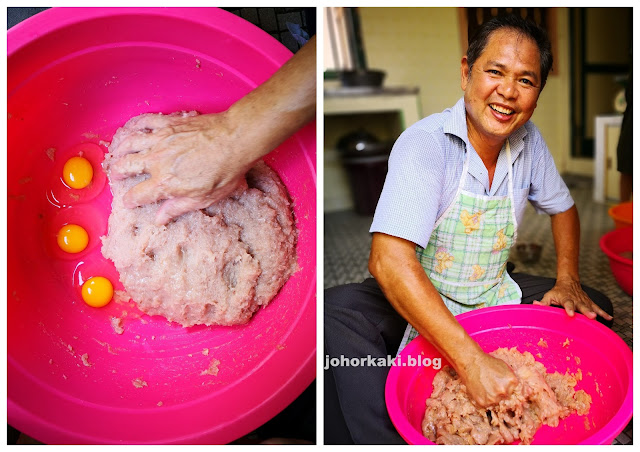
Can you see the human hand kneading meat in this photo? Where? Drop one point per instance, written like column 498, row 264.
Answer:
column 196, row 160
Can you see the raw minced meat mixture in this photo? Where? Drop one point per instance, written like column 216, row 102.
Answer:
column 215, row 266
column 540, row 398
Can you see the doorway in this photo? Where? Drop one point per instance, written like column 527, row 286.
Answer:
column 600, row 47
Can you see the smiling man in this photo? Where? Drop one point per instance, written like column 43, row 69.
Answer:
column 456, row 190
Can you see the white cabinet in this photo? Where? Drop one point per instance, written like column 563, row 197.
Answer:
column 606, row 178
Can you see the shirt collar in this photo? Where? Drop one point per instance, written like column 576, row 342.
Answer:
column 456, row 124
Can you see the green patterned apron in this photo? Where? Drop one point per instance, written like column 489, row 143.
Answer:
column 467, row 253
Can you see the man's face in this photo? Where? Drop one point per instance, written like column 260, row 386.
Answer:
column 503, row 88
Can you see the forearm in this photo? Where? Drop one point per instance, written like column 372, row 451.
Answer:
column 565, row 227
column 407, row 287
column 276, row 109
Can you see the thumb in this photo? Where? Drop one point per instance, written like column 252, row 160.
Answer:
column 546, row 300
column 174, row 207
column 143, row 193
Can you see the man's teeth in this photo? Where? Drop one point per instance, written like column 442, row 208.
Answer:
column 499, row 109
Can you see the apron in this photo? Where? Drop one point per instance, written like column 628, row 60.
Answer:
column 467, row 253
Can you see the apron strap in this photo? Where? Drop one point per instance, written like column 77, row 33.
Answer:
column 511, row 194
column 463, row 178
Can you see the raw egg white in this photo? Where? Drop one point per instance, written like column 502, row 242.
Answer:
column 97, row 291
column 77, row 172
column 72, row 238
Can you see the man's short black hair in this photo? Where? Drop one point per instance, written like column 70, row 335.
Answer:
column 478, row 41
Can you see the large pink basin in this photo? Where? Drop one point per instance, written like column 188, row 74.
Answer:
column 605, row 360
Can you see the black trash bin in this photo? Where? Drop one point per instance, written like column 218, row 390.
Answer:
column 365, row 159
column 366, row 177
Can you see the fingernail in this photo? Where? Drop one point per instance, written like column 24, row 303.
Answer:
column 161, row 220
column 127, row 203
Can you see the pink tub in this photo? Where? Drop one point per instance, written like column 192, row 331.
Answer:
column 605, row 360
column 75, row 76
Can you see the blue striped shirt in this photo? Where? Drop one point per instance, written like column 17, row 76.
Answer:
column 426, row 164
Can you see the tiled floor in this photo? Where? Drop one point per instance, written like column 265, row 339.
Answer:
column 347, row 242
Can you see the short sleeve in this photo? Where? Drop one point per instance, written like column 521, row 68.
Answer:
column 408, row 205
column 548, row 193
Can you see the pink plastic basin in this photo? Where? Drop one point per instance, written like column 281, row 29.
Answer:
column 604, row 358
column 617, row 245
column 74, row 77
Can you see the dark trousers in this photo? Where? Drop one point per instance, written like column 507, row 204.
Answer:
column 360, row 322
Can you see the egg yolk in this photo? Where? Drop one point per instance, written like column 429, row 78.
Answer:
column 97, row 291
column 77, row 172
column 72, row 238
